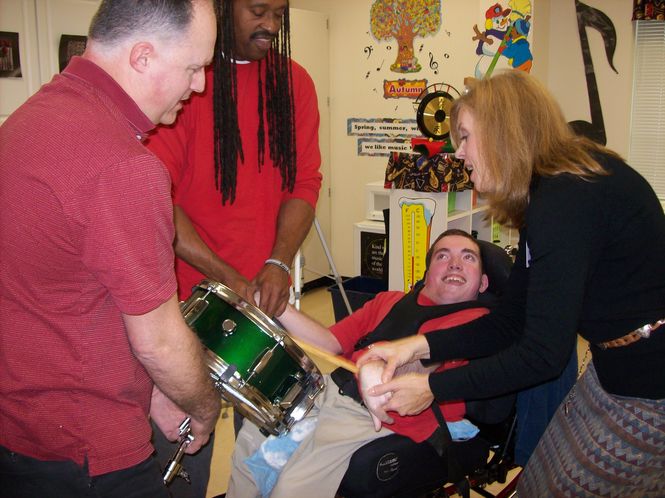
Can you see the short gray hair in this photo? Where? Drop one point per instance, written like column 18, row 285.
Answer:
column 119, row 20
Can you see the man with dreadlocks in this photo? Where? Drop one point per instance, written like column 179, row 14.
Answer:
column 244, row 162
column 244, row 159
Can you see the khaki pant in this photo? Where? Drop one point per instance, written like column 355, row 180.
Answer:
column 318, row 465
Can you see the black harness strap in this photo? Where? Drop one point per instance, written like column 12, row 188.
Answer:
column 403, row 320
column 406, row 316
column 442, row 442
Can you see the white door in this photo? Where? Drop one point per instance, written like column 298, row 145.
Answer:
column 39, row 25
column 309, row 47
column 56, row 18
column 17, row 22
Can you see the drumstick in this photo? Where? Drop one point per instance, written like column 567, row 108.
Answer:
column 336, row 360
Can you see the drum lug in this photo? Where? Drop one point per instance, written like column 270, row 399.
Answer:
column 262, row 363
column 193, row 310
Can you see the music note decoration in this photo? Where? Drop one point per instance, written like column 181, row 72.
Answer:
column 593, row 18
column 434, row 65
column 368, row 50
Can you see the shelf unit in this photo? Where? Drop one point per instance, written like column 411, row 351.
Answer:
column 417, row 218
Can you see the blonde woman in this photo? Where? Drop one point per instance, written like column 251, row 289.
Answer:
column 591, row 261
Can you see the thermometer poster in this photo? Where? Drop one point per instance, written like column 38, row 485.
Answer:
column 416, row 219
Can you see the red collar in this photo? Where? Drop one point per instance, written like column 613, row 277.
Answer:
column 90, row 72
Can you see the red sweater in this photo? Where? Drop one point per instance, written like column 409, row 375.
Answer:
column 243, row 233
column 361, row 322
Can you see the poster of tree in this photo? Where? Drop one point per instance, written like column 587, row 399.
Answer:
column 404, row 20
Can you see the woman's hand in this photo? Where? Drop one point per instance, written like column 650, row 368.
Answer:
column 410, row 394
column 396, row 354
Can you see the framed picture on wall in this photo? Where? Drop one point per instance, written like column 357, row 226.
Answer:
column 10, row 59
column 70, row 45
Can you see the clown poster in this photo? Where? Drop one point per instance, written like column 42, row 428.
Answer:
column 503, row 40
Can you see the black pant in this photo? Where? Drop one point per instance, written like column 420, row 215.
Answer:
column 25, row 477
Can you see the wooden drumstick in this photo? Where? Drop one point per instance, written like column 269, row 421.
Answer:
column 336, row 360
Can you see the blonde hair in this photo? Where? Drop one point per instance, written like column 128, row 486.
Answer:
column 521, row 133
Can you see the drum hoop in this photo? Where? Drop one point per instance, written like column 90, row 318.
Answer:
column 272, row 419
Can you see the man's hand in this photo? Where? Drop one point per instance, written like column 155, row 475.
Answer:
column 201, row 433
column 168, row 417
column 272, row 284
column 166, row 414
column 396, row 353
column 410, row 394
column 369, row 376
column 240, row 285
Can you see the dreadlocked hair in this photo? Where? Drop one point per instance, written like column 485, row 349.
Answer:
column 275, row 107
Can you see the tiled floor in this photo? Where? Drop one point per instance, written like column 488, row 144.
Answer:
column 317, row 304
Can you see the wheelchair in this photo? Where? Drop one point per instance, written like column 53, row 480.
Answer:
column 396, row 466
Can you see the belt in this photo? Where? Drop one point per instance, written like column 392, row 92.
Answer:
column 640, row 333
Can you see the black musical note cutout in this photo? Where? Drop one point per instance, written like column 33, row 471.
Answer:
column 388, row 47
column 594, row 18
column 421, row 48
column 367, row 75
column 379, row 68
column 368, row 50
column 433, row 64
column 446, row 56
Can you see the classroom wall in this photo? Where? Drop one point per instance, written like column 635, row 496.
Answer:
column 555, row 44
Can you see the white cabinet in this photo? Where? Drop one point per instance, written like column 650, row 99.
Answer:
column 417, row 218
column 369, row 235
column 39, row 24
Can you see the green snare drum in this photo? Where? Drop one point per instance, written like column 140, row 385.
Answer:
column 254, row 363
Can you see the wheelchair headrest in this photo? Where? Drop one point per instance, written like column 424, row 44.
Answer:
column 497, row 265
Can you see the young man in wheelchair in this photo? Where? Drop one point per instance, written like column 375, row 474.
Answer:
column 312, row 459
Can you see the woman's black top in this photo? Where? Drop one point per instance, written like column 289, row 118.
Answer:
column 591, row 260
